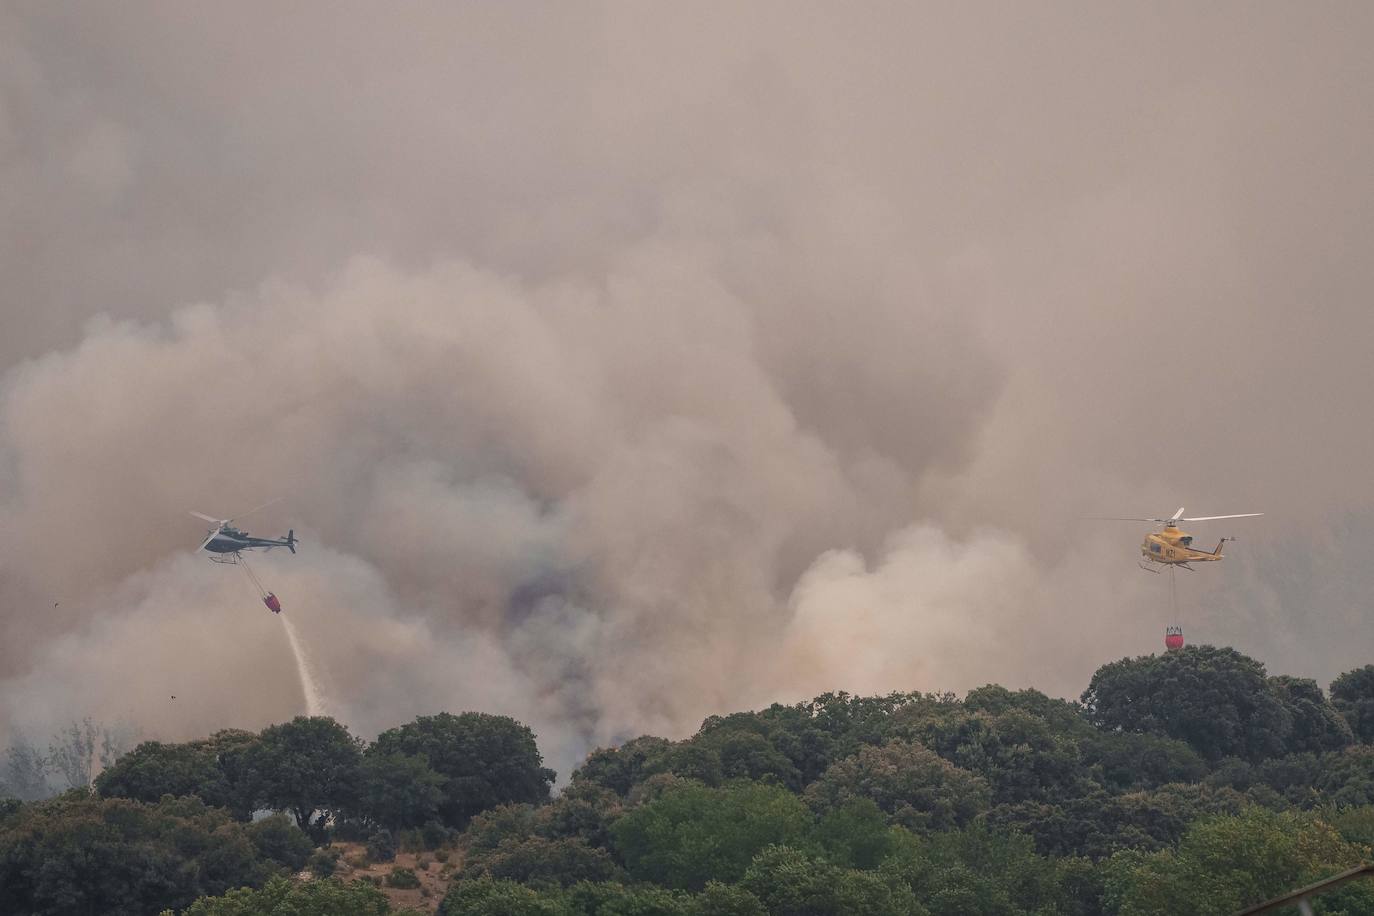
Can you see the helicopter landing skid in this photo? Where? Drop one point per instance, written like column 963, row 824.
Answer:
column 230, row 560
column 1148, row 568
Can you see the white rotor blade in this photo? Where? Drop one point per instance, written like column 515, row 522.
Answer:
column 1122, row 518
column 1177, row 515
column 256, row 508
column 1208, row 518
column 206, row 542
column 217, row 521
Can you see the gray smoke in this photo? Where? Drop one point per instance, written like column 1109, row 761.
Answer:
column 621, row 365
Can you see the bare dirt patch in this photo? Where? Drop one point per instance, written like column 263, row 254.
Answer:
column 434, row 876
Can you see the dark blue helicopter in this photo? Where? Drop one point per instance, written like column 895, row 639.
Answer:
column 227, row 541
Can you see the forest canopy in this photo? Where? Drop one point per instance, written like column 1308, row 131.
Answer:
column 1187, row 782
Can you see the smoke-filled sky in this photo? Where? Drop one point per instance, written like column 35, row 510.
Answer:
column 620, row 364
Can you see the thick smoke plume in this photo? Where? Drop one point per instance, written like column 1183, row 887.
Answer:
column 620, row 366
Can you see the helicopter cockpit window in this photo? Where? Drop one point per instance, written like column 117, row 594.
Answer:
column 1186, row 541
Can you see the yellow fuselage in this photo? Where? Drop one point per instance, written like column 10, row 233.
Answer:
column 1174, row 546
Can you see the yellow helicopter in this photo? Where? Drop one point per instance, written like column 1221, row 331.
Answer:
column 1172, row 547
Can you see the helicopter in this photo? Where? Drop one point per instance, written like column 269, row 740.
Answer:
column 230, row 542
column 227, row 541
column 1174, row 548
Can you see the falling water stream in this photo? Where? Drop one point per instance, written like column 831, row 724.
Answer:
column 314, row 700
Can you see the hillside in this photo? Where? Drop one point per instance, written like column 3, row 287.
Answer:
column 1186, row 782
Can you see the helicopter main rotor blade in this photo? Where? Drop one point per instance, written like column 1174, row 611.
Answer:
column 1208, row 518
column 213, row 534
column 217, row 521
column 1122, row 518
column 255, row 509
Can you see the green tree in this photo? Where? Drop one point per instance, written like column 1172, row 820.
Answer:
column 487, row 761
column 489, row 897
column 688, row 760
column 979, row 871
column 1099, row 824
column 742, row 749
column 692, row 834
column 1355, row 824
column 1021, row 755
column 609, row 898
column 540, row 861
column 1347, row 778
column 154, row 769
column 1216, row 700
column 620, row 769
column 277, row 839
column 81, row 854
column 400, row 791
column 1066, row 717
column 583, row 810
column 915, row 786
column 855, row 835
column 490, row 829
column 790, row 883
column 814, row 734
column 719, row 899
column 747, row 755
column 1226, row 863
column 1352, row 695
column 1317, row 725
column 808, row 746
column 308, row 765
column 851, row 722
column 282, row 897
column 1128, row 761
column 1291, row 779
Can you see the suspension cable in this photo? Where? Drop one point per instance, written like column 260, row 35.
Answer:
column 1173, row 593
column 262, row 592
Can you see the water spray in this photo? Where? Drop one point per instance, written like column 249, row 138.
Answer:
column 314, row 698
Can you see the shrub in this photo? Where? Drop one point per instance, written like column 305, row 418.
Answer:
column 434, row 834
column 402, row 878
column 381, row 846
column 410, row 841
column 324, row 862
